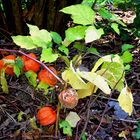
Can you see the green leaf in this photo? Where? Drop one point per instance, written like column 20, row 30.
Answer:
column 72, row 118
column 127, row 57
column 19, row 62
column 64, row 49
column 56, row 37
column 126, row 100
column 66, row 127
column 31, row 76
column 79, row 46
column 81, row 14
column 40, row 37
column 24, row 42
column 20, row 115
column 93, row 51
column 114, row 26
column 75, row 33
column 33, row 123
column 127, row 67
column 88, row 2
column 71, row 77
column 3, row 81
column 18, row 66
column 16, row 70
column 116, row 19
column 43, row 86
column 108, row 15
column 105, row 13
column 96, row 80
column 126, row 47
column 93, row 34
column 137, row 132
column 115, row 70
column 33, row 29
column 48, row 55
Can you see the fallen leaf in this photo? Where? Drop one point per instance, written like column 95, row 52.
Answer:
column 126, row 100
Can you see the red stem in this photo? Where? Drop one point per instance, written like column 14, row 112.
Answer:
column 42, row 64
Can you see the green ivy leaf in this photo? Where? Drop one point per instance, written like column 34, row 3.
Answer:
column 75, row 33
column 48, row 55
column 24, row 42
column 93, row 34
column 56, row 37
column 3, row 81
column 126, row 47
column 31, row 76
column 114, row 26
column 81, row 14
column 64, row 49
column 127, row 57
column 66, row 127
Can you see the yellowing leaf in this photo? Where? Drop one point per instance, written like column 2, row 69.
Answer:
column 72, row 119
column 24, row 42
column 107, row 58
column 112, row 70
column 82, row 93
column 124, row 133
column 73, row 79
column 97, row 80
column 3, row 81
column 126, row 100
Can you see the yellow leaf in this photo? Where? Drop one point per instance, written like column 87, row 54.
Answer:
column 126, row 100
column 96, row 80
column 82, row 93
column 73, row 79
column 124, row 133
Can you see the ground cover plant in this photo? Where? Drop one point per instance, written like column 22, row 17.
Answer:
column 69, row 86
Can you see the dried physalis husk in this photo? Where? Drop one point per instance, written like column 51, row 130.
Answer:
column 68, row 98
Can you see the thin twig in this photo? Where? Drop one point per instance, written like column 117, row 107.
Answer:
column 57, row 120
column 42, row 64
column 107, row 105
column 88, row 113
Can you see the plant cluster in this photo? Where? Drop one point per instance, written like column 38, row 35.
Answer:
column 107, row 74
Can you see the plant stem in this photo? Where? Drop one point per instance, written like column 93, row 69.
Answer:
column 42, row 64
